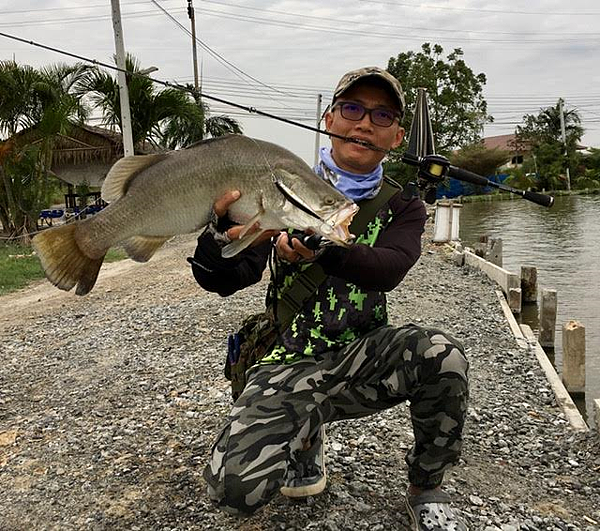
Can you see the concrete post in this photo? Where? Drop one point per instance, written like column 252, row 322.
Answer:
column 126, row 130
column 573, row 340
column 597, row 413
column 529, row 283
column 447, row 222
column 494, row 251
column 514, row 300
column 548, row 317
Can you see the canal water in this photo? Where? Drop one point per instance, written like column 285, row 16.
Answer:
column 563, row 243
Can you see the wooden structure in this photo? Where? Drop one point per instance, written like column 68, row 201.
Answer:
column 84, row 156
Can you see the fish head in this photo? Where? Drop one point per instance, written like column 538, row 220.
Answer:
column 310, row 203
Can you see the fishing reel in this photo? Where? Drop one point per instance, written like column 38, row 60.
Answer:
column 311, row 241
column 431, row 171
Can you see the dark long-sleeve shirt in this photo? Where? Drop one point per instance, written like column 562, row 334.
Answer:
column 377, row 267
column 350, row 302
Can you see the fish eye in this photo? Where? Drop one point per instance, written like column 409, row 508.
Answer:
column 329, row 200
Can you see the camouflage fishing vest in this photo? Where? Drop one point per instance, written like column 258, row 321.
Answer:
column 337, row 314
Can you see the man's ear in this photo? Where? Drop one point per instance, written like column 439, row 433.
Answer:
column 328, row 120
column 399, row 137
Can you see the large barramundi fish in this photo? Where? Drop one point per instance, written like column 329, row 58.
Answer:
column 154, row 197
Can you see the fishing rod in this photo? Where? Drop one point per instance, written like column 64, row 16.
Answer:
column 190, row 90
column 432, row 169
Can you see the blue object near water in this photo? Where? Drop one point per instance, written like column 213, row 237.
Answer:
column 53, row 213
column 457, row 188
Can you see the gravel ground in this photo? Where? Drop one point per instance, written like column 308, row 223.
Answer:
column 109, row 405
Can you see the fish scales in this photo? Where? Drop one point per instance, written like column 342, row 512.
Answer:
column 154, row 197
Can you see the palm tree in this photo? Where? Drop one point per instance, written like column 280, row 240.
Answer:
column 35, row 107
column 170, row 117
column 186, row 130
column 542, row 133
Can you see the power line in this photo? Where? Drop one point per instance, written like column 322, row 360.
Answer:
column 69, row 8
column 381, row 2
column 192, row 91
column 374, row 34
column 205, row 46
column 583, row 37
column 479, row 10
column 76, row 20
column 384, row 25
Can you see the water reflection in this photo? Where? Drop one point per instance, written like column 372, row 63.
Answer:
column 563, row 243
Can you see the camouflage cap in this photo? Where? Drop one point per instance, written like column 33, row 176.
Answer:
column 371, row 71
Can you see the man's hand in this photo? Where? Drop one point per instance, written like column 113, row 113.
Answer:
column 292, row 250
column 220, row 208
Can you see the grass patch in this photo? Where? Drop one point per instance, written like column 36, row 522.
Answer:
column 19, row 266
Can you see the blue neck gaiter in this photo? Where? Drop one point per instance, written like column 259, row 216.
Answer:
column 356, row 186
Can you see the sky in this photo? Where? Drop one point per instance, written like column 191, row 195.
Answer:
column 279, row 56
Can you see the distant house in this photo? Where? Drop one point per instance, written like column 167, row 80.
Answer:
column 515, row 152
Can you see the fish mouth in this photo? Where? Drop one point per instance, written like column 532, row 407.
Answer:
column 339, row 225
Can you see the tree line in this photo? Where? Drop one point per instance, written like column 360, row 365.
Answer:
column 458, row 112
column 39, row 105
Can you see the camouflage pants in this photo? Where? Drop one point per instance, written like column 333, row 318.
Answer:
column 283, row 406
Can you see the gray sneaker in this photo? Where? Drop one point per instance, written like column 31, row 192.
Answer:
column 306, row 475
column 431, row 511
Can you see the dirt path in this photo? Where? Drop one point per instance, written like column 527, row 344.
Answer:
column 109, row 405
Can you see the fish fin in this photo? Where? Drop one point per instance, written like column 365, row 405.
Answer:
column 250, row 224
column 237, row 246
column 64, row 262
column 124, row 171
column 142, row 248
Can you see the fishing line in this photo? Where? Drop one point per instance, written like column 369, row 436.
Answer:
column 249, row 109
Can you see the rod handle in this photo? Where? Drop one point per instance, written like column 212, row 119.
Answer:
column 467, row 176
column 540, row 199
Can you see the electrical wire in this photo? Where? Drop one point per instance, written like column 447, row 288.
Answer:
column 189, row 90
column 432, row 32
column 480, row 10
column 393, row 26
column 375, row 34
column 504, row 108
column 219, row 57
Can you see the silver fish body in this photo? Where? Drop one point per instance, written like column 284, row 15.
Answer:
column 154, row 197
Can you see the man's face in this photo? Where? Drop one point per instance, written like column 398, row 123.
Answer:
column 354, row 157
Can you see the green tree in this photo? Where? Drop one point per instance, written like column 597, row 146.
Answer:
column 523, row 177
column 455, row 96
column 182, row 131
column 543, row 135
column 36, row 106
column 457, row 107
column 478, row 159
column 590, row 178
column 169, row 117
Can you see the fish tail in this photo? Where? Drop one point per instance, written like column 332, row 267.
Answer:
column 64, row 262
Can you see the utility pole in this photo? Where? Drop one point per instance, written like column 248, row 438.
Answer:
column 122, row 78
column 192, row 16
column 564, row 139
column 318, row 135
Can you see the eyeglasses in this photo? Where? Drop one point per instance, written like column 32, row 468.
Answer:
column 356, row 112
